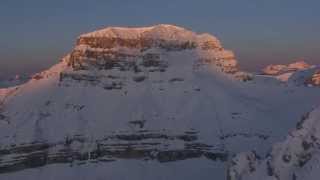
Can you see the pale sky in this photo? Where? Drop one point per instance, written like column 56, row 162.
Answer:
column 35, row 34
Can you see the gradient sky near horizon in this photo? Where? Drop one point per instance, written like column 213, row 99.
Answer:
column 35, row 34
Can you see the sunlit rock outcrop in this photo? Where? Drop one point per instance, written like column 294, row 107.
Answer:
column 124, row 47
column 298, row 73
column 282, row 69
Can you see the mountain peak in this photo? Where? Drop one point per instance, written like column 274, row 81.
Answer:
column 300, row 64
column 164, row 32
column 277, row 69
column 118, row 44
column 133, row 32
column 298, row 73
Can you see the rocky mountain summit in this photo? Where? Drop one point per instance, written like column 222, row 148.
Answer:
column 298, row 73
column 282, row 69
column 137, row 53
column 124, row 48
column 143, row 103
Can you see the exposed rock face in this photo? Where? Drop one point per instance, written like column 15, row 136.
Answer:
column 282, row 69
column 244, row 76
column 123, row 48
column 109, row 149
column 298, row 73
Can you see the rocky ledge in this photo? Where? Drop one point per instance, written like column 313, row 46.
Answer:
column 121, row 48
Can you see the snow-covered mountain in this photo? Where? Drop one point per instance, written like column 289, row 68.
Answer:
column 282, row 69
column 297, row 157
column 158, row 102
column 298, row 73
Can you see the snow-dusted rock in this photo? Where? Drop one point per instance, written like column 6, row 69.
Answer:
column 295, row 158
column 142, row 103
column 283, row 69
column 273, row 69
column 243, row 76
column 298, row 73
column 304, row 77
column 115, row 45
column 315, row 79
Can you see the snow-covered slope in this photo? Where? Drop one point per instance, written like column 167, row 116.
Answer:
column 295, row 158
column 315, row 79
column 142, row 103
column 306, row 77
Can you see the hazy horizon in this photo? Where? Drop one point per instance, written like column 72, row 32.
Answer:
column 36, row 34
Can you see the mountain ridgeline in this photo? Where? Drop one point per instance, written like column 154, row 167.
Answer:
column 144, row 103
column 142, row 49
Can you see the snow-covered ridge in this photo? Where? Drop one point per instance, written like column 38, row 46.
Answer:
column 315, row 79
column 147, row 36
column 295, row 158
column 279, row 69
column 161, row 31
column 298, row 73
column 127, row 33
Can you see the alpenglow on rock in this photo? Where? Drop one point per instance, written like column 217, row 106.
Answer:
column 282, row 69
column 135, row 48
column 298, row 73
